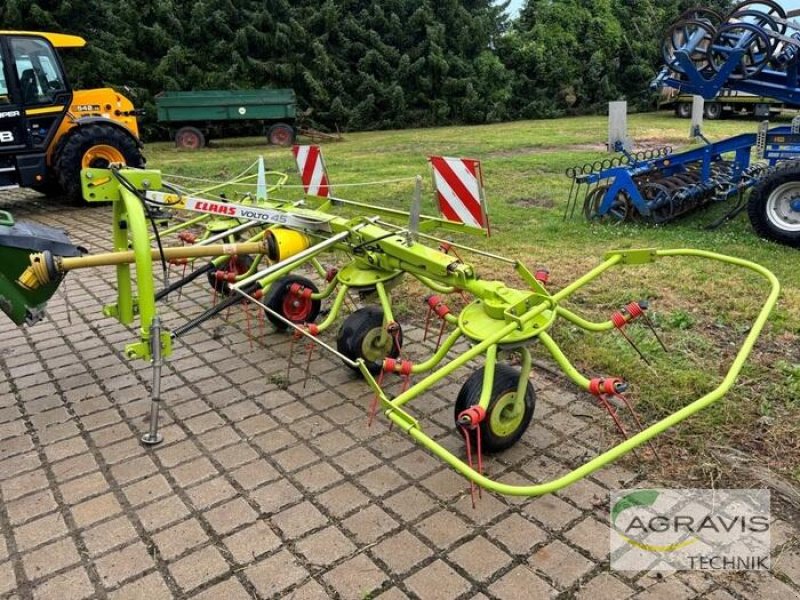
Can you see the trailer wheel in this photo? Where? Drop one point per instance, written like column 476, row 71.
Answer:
column 362, row 336
column 774, row 206
column 189, row 138
column 295, row 308
column 711, row 111
column 238, row 264
column 97, row 146
column 507, row 417
column 280, row 134
column 683, row 110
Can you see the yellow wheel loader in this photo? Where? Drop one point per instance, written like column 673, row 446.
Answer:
column 48, row 131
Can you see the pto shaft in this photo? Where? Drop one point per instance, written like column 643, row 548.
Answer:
column 46, row 268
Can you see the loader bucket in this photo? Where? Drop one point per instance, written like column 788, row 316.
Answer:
column 17, row 242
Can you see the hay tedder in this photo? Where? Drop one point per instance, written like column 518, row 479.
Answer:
column 270, row 257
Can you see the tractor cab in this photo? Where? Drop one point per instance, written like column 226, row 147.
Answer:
column 48, row 132
column 34, row 96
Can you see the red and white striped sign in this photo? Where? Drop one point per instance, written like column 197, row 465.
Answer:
column 312, row 170
column 459, row 190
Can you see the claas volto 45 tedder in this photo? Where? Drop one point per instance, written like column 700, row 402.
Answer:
column 287, row 239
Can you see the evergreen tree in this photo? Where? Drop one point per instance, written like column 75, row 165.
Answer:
column 360, row 64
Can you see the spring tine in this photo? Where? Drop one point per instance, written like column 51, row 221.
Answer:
column 311, row 347
column 587, row 186
column 246, row 308
column 569, row 199
column 652, row 328
column 289, row 359
column 639, row 424
column 586, row 199
column 615, row 417
column 634, row 346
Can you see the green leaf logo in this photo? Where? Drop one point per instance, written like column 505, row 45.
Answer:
column 636, row 499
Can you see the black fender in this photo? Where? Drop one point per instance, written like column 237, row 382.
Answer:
column 83, row 121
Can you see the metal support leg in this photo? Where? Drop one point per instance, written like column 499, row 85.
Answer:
column 153, row 437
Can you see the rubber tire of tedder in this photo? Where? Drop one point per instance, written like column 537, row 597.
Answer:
column 278, row 296
column 69, row 161
column 355, row 331
column 757, row 208
column 505, row 382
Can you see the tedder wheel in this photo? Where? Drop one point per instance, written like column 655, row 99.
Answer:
column 189, row 138
column 280, row 134
column 774, row 206
column 362, row 335
column 297, row 309
column 683, row 110
column 239, row 264
column 711, row 111
column 507, row 418
column 97, row 146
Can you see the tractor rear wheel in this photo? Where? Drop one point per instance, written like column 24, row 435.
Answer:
column 774, row 205
column 49, row 188
column 93, row 146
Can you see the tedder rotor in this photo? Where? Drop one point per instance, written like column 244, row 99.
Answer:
column 496, row 403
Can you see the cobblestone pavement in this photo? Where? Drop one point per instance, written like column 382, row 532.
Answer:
column 260, row 491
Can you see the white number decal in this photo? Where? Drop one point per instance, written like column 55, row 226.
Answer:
column 6, row 136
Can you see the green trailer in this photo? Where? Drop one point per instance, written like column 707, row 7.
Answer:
column 194, row 117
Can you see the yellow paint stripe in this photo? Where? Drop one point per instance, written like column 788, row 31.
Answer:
column 43, row 111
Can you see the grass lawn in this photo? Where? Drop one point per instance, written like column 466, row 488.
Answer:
column 703, row 309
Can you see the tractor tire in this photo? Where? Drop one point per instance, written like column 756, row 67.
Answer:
column 505, row 423
column 189, row 138
column 49, row 188
column 280, row 134
column 774, row 205
column 96, row 145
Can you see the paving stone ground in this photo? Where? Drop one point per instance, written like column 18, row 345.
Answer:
column 264, row 492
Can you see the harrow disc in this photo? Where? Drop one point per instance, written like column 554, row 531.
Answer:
column 756, row 44
column 659, row 200
column 764, row 22
column 692, row 36
column 768, row 8
column 701, row 13
column 621, row 208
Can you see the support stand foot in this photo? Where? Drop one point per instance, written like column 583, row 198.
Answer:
column 153, row 437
